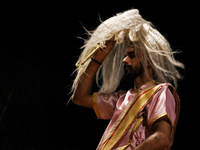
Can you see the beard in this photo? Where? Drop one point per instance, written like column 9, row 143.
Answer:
column 131, row 73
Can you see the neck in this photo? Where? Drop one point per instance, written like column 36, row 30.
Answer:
column 143, row 78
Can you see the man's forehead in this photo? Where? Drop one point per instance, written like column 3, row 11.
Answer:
column 130, row 49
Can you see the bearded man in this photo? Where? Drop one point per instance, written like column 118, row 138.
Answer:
column 145, row 116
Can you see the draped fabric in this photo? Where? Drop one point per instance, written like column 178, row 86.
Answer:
column 163, row 102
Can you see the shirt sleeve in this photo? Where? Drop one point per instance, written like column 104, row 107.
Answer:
column 162, row 104
column 104, row 104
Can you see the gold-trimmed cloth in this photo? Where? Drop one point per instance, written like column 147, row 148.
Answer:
column 128, row 116
column 95, row 105
column 109, row 142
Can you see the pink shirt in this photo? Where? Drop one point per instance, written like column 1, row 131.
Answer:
column 109, row 106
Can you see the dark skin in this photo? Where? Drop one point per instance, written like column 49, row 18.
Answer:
column 161, row 128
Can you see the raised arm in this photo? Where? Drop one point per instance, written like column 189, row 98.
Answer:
column 82, row 94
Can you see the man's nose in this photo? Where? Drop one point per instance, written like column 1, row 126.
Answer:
column 125, row 61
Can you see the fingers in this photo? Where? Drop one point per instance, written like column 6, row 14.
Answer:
column 108, row 44
column 103, row 52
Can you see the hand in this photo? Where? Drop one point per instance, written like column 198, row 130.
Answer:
column 101, row 54
column 82, row 94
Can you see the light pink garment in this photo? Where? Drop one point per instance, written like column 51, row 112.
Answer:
column 111, row 105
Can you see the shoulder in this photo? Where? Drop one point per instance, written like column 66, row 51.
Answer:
column 166, row 91
column 170, row 89
column 168, row 86
column 164, row 102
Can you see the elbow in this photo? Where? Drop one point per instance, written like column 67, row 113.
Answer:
column 82, row 101
column 165, row 142
column 75, row 100
column 162, row 140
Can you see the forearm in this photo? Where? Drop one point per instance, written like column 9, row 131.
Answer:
column 83, row 89
column 82, row 94
column 157, row 141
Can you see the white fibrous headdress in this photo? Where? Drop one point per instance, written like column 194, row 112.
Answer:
column 129, row 28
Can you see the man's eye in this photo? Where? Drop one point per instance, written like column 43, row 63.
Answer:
column 131, row 55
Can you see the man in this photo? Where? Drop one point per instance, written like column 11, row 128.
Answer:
column 145, row 116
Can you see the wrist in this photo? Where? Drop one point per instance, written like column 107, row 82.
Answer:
column 98, row 58
column 100, row 55
column 96, row 61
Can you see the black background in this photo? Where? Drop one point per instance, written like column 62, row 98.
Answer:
column 38, row 51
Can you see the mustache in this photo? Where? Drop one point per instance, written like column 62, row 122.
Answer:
column 127, row 67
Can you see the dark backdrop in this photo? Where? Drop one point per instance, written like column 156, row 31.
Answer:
column 38, row 51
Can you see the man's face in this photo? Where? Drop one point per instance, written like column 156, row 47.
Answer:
column 132, row 65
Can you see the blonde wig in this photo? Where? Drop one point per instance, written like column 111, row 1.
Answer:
column 129, row 29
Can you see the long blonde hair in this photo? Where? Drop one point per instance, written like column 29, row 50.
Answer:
column 150, row 46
